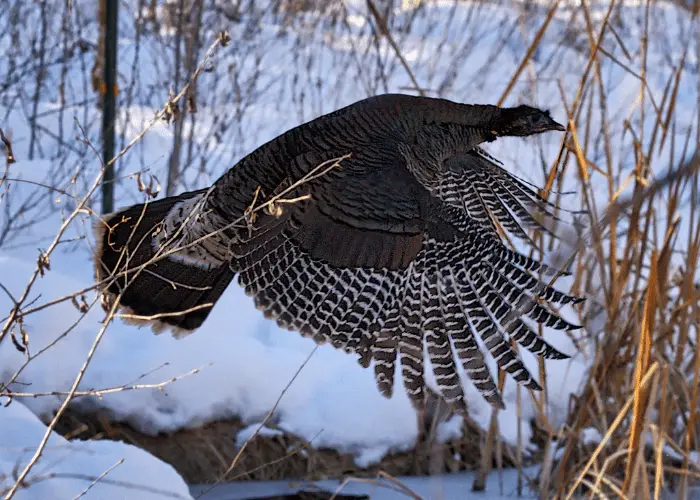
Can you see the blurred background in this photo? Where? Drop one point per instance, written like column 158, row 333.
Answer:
column 177, row 108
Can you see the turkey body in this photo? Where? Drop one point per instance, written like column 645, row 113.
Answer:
column 382, row 238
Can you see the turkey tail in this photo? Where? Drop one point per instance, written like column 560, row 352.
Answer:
column 138, row 263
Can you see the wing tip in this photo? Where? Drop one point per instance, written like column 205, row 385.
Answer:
column 496, row 401
column 533, row 384
column 573, row 326
column 125, row 313
column 555, row 354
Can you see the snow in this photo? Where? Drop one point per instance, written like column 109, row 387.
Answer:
column 591, row 435
column 66, row 469
column 246, row 361
column 449, row 429
column 673, row 452
column 257, row 429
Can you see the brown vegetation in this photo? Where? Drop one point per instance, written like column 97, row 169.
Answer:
column 204, row 454
column 638, row 266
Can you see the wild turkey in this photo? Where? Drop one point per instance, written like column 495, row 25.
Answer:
column 393, row 249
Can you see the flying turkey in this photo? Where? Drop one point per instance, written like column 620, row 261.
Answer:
column 376, row 228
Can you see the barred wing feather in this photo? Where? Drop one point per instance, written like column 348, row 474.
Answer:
column 428, row 291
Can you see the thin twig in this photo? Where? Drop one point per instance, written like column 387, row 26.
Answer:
column 98, row 479
column 262, row 424
column 101, row 392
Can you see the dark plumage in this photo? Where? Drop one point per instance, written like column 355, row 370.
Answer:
column 393, row 250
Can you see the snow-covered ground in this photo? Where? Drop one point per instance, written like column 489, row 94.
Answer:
column 245, row 360
column 102, row 469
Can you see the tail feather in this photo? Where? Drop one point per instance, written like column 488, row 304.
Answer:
column 165, row 291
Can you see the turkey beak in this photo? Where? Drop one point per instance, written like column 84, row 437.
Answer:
column 558, row 126
column 544, row 123
column 552, row 125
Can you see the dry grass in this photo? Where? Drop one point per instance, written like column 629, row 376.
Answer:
column 639, row 268
column 642, row 391
column 204, row 454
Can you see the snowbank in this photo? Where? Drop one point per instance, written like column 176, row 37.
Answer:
column 108, row 470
